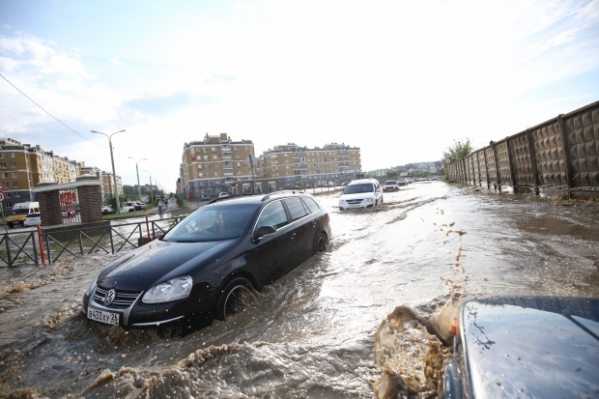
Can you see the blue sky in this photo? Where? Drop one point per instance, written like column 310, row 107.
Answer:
column 399, row 80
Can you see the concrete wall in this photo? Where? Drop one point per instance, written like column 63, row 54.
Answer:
column 557, row 155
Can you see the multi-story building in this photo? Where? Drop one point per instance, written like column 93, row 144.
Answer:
column 215, row 164
column 23, row 167
column 105, row 177
column 296, row 167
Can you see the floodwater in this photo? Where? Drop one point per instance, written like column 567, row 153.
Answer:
column 348, row 323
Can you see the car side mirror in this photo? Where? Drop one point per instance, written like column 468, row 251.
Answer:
column 263, row 231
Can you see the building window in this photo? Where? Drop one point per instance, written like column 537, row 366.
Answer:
column 13, row 164
column 213, row 149
column 1, row 155
column 7, row 195
column 12, row 154
column 200, row 174
column 215, row 174
column 199, row 166
column 214, row 157
column 2, row 165
column 14, row 174
column 15, row 184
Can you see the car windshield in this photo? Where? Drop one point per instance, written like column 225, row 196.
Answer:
column 213, row 223
column 390, row 182
column 359, row 188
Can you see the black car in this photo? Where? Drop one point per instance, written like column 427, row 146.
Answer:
column 532, row 347
column 197, row 271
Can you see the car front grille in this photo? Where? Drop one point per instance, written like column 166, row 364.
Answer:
column 123, row 300
column 354, row 201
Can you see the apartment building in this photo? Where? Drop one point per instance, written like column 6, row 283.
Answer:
column 105, row 177
column 23, row 166
column 294, row 166
column 213, row 165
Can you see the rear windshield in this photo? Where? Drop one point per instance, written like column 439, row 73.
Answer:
column 359, row 188
column 214, row 223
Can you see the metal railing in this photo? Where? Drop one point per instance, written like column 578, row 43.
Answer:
column 30, row 247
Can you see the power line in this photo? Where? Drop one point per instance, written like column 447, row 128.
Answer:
column 42, row 108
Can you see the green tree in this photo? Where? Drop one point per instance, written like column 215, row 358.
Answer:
column 459, row 150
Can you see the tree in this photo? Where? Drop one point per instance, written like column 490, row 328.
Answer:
column 459, row 150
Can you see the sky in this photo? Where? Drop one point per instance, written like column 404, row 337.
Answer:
column 400, row 79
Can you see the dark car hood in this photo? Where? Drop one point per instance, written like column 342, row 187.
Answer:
column 532, row 347
column 159, row 261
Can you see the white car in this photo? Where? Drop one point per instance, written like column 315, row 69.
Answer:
column 33, row 219
column 364, row 193
column 107, row 209
column 390, row 185
column 223, row 194
column 128, row 208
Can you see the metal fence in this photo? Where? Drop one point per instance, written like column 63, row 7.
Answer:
column 32, row 248
column 561, row 153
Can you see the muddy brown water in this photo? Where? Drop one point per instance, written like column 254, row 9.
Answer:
column 347, row 323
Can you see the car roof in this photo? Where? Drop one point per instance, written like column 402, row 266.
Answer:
column 361, row 181
column 257, row 199
column 523, row 343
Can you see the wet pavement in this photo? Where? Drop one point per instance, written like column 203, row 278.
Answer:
column 350, row 322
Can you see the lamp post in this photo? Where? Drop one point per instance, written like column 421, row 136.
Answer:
column 116, row 192
column 137, row 171
column 151, row 190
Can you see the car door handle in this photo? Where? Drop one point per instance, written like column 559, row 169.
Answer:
column 292, row 236
column 314, row 223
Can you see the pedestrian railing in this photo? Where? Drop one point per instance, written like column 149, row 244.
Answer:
column 31, row 247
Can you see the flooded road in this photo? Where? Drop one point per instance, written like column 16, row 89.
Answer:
column 329, row 329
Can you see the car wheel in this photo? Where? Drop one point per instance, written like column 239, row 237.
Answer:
column 321, row 243
column 10, row 225
column 233, row 298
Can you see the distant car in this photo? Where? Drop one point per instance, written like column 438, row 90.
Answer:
column 390, row 185
column 223, row 194
column 128, row 208
column 533, row 347
column 205, row 197
column 203, row 266
column 363, row 193
column 33, row 219
column 107, row 209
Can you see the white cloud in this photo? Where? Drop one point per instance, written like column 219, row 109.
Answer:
column 400, row 80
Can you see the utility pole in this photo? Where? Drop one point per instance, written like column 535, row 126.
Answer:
column 116, row 191
column 137, row 171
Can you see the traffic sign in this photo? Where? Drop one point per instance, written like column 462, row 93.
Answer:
column 2, row 196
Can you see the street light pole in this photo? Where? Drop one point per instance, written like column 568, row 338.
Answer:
column 116, row 192
column 151, row 190
column 137, row 171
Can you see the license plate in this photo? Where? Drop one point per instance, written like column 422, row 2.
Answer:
column 103, row 316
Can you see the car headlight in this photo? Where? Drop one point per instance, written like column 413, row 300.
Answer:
column 369, row 199
column 171, row 290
